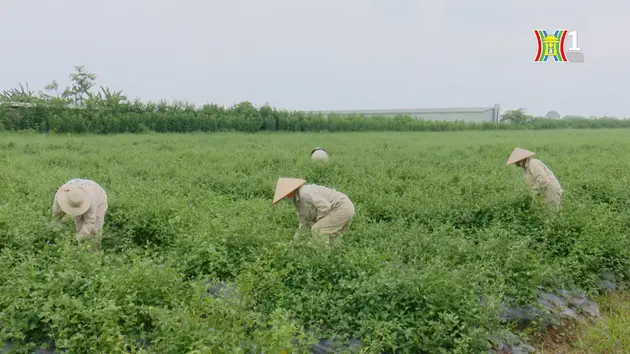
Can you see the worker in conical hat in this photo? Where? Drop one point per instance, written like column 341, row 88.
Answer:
column 327, row 211
column 86, row 202
column 319, row 154
column 538, row 177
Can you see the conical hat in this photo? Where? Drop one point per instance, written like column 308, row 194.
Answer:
column 517, row 155
column 318, row 148
column 284, row 186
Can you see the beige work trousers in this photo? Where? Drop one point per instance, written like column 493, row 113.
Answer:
column 553, row 199
column 93, row 240
column 337, row 221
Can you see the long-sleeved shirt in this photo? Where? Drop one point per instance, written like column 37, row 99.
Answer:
column 313, row 202
column 540, row 178
column 92, row 220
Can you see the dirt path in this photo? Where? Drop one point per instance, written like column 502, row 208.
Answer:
column 609, row 335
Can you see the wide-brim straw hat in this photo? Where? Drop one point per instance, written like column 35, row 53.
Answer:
column 284, row 186
column 73, row 200
column 517, row 155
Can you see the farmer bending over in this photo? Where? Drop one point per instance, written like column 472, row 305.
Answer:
column 538, row 177
column 327, row 211
column 86, row 202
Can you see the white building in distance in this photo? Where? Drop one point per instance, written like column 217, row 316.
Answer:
column 470, row 114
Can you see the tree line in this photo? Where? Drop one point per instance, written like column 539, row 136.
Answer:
column 79, row 109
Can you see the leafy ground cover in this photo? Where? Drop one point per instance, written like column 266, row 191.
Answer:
column 444, row 233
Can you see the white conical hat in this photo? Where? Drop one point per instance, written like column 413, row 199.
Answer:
column 318, row 148
column 73, row 200
column 517, row 155
column 284, row 186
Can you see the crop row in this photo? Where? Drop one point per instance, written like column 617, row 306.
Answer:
column 444, row 234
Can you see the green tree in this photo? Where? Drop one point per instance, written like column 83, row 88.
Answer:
column 105, row 97
column 51, row 92
column 82, row 81
column 21, row 94
column 517, row 116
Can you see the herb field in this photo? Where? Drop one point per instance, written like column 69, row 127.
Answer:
column 444, row 234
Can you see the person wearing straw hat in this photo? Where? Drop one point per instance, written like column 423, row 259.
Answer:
column 538, row 177
column 319, row 154
column 327, row 211
column 86, row 202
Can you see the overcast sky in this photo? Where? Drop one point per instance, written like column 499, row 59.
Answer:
column 325, row 54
